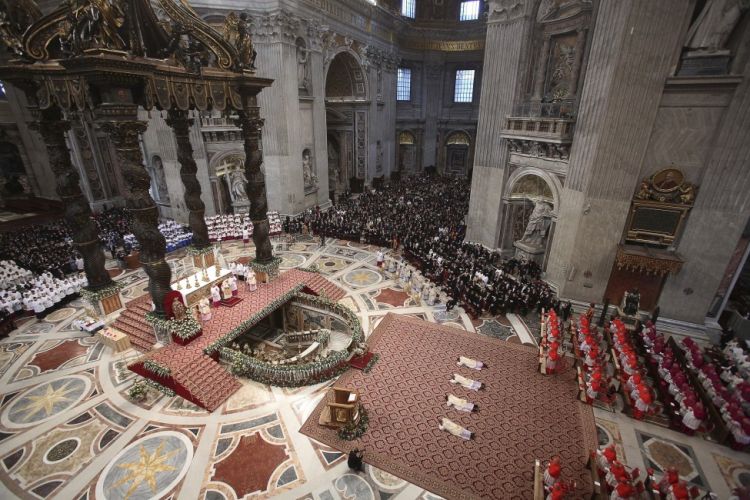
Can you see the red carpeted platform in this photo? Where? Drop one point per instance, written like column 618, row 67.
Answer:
column 523, row 415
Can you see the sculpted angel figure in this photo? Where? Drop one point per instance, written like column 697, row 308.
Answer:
column 237, row 32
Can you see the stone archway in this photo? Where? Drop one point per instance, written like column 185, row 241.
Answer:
column 346, row 117
column 408, row 151
column 457, row 151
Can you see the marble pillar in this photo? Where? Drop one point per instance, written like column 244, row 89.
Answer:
column 632, row 53
column 52, row 127
column 509, row 25
column 125, row 135
column 180, row 123
column 718, row 218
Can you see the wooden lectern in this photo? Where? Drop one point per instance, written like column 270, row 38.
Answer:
column 342, row 408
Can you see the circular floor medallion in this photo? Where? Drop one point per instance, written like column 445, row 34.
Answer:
column 60, row 315
column 289, row 260
column 44, row 401
column 148, row 468
column 362, row 277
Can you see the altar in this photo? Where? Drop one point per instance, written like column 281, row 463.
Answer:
column 197, row 286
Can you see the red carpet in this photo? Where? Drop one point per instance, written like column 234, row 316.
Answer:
column 360, row 362
column 523, row 415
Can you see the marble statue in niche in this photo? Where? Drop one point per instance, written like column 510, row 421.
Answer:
column 562, row 65
column 161, row 180
column 536, row 229
column 713, row 26
column 237, row 183
column 334, row 171
column 303, row 58
column 308, row 171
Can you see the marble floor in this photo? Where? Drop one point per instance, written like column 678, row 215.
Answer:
column 67, row 429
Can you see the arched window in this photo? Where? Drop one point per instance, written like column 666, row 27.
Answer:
column 406, row 138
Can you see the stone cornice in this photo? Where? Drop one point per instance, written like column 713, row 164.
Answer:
column 506, row 11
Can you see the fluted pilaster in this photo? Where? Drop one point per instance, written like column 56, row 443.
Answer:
column 632, row 52
column 508, row 30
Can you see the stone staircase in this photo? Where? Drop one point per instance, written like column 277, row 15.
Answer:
column 132, row 322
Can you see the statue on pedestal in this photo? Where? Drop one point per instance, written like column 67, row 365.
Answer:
column 713, row 26
column 536, row 229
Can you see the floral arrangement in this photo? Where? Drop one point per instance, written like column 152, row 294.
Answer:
column 192, row 250
column 312, row 268
column 370, row 364
column 185, row 329
column 269, row 267
column 156, row 368
column 137, row 391
column 285, row 375
column 101, row 293
column 352, row 431
column 164, row 390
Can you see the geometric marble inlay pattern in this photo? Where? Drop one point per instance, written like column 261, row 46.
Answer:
column 45, row 401
column 148, row 468
column 661, row 454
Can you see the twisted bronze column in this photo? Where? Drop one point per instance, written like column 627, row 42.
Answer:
column 145, row 225
column 180, row 123
column 52, row 127
column 250, row 122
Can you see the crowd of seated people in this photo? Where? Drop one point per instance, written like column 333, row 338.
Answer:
column 40, row 294
column 726, row 386
column 596, row 370
column 425, row 217
column 632, row 374
column 617, row 480
column 225, row 227
column 40, row 248
column 678, row 394
column 113, row 224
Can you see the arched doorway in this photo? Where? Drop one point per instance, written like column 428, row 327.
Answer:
column 346, row 119
column 407, row 152
column 457, row 147
column 530, row 216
